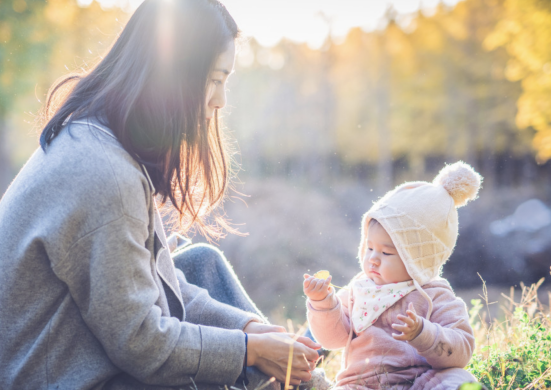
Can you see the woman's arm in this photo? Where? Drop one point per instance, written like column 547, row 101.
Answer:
column 201, row 309
column 108, row 273
column 268, row 345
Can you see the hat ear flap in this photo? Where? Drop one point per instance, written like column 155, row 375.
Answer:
column 363, row 242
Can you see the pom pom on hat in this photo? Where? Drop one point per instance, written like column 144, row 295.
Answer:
column 461, row 181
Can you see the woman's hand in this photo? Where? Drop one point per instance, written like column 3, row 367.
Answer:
column 413, row 325
column 316, row 289
column 254, row 327
column 269, row 352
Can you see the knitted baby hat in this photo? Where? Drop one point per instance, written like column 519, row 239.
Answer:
column 421, row 220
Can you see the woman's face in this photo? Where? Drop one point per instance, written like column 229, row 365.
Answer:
column 216, row 89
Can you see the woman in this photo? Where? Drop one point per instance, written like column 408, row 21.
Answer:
column 89, row 295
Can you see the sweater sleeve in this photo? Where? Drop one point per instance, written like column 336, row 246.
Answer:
column 329, row 320
column 108, row 274
column 447, row 340
column 201, row 309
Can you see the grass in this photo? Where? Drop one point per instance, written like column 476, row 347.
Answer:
column 511, row 353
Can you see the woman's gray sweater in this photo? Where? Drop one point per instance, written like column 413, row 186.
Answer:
column 86, row 279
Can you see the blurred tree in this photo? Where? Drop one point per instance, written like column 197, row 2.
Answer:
column 24, row 44
column 524, row 31
column 39, row 42
column 442, row 94
column 83, row 34
column 480, row 101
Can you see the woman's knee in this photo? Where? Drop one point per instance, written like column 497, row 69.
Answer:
column 204, row 255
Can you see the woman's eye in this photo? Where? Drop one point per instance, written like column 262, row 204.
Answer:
column 217, row 82
column 369, row 249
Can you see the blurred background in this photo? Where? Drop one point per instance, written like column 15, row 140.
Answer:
column 333, row 103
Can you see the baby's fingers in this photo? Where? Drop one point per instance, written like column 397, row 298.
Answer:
column 412, row 317
column 407, row 320
column 401, row 328
column 320, row 284
column 411, row 311
column 401, row 337
column 310, row 284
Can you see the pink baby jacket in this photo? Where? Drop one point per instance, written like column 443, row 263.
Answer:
column 374, row 358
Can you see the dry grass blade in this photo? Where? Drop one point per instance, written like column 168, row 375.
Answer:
column 546, row 374
column 265, row 384
column 290, row 326
column 514, row 353
column 289, row 365
column 298, row 334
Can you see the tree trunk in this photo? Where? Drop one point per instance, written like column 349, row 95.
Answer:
column 384, row 165
column 451, row 115
column 529, row 173
column 471, row 108
column 489, row 157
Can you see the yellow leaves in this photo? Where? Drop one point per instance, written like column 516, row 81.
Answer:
column 38, row 35
column 514, row 71
column 456, row 29
column 535, row 107
column 429, row 36
column 542, row 143
column 397, row 42
column 5, row 32
column 61, row 12
column 6, row 79
column 525, row 33
column 323, row 274
column 19, row 6
column 501, row 34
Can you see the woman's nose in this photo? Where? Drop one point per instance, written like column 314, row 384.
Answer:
column 218, row 100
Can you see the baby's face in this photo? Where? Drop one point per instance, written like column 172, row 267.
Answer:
column 381, row 262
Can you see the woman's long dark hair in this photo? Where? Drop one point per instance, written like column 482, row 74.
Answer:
column 150, row 90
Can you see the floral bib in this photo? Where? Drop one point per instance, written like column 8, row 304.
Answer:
column 371, row 300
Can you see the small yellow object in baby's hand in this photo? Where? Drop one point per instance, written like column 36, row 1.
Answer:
column 324, row 274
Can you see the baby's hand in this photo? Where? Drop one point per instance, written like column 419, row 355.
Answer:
column 412, row 327
column 316, row 289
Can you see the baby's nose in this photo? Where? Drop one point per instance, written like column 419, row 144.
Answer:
column 374, row 259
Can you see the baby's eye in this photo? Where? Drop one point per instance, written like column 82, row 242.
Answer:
column 387, row 254
column 369, row 249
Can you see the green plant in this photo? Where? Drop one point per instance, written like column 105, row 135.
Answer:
column 514, row 353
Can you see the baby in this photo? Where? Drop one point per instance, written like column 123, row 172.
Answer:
column 400, row 323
